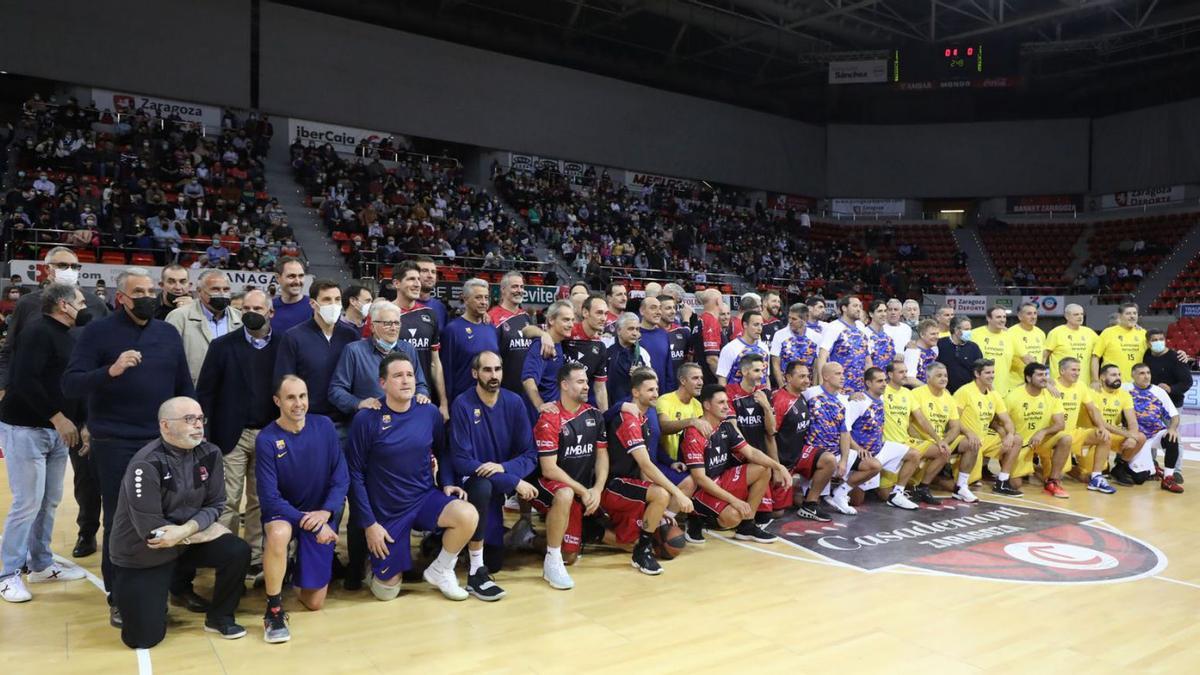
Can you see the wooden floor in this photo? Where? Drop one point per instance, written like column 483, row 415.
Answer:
column 717, row 608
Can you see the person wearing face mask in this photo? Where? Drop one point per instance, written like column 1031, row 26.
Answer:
column 356, row 306
column 959, row 353
column 202, row 322
column 1166, row 370
column 311, row 349
column 125, row 365
column 235, row 387
column 166, row 521
column 62, row 266
column 43, row 425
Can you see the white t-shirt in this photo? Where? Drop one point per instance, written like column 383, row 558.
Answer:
column 731, row 353
column 901, row 335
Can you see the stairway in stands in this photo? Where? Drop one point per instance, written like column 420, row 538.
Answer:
column 324, row 260
column 1168, row 270
column 979, row 263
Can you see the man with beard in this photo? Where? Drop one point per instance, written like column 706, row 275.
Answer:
column 428, row 271
column 586, row 346
column 291, row 307
column 679, row 337
column 842, row 342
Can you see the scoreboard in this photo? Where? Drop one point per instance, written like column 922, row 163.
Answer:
column 954, row 62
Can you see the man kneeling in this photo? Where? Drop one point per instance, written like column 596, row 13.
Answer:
column 391, row 484
column 166, row 517
column 302, row 483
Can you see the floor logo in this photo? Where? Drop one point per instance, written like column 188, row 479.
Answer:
column 988, row 540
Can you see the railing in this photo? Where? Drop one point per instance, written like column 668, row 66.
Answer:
column 371, row 152
column 39, row 239
column 372, row 269
column 665, row 275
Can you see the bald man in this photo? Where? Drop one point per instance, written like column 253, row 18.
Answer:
column 1070, row 340
column 707, row 341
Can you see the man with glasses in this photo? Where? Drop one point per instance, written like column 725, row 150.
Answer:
column 124, row 366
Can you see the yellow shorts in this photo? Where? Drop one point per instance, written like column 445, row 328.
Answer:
column 921, row 446
column 1084, row 445
column 1045, row 452
column 990, row 447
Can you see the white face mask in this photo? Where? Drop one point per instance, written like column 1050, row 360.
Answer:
column 330, row 313
column 365, row 309
column 68, row 276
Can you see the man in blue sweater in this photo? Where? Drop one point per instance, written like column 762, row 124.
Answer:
column 466, row 337
column 355, row 382
column 392, row 489
column 428, row 269
column 290, row 308
column 657, row 343
column 539, row 376
column 311, row 349
column 302, row 484
column 492, row 444
column 125, row 366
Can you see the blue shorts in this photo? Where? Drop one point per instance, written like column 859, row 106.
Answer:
column 676, row 477
column 314, row 562
column 423, row 515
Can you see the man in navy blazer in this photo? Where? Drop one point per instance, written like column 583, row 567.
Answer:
column 234, row 389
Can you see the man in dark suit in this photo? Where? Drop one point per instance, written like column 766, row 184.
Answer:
column 234, row 390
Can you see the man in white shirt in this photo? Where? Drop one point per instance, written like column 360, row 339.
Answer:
column 748, row 341
column 900, row 332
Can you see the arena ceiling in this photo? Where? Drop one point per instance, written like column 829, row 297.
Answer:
column 1063, row 57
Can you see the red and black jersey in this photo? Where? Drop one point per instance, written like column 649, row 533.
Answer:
column 679, row 338
column 708, row 342
column 419, row 328
column 750, row 416
column 770, row 327
column 610, row 323
column 714, row 454
column 573, row 439
column 590, row 351
column 791, row 425
column 629, row 433
column 513, row 345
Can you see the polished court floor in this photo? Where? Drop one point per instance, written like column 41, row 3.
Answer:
column 1118, row 593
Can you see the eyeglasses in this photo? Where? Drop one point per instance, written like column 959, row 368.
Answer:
column 66, row 266
column 192, row 420
column 386, row 324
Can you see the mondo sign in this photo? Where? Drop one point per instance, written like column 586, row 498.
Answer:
column 986, row 540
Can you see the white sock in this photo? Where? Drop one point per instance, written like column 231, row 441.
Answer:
column 1095, row 473
column 554, row 553
column 446, row 561
column 843, row 490
column 476, row 559
column 1002, row 476
column 897, row 489
column 963, row 478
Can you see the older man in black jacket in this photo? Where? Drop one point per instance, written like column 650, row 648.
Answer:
column 235, row 391
column 958, row 353
column 166, row 518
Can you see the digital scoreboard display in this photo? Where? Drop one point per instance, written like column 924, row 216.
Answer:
column 956, row 65
column 963, row 59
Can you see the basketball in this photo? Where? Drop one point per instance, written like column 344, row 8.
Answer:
column 668, row 541
column 856, row 497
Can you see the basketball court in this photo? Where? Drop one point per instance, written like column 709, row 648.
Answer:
column 1111, row 583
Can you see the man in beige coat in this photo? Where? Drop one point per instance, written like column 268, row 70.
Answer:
column 202, row 322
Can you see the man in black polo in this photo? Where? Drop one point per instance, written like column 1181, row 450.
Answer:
column 958, row 353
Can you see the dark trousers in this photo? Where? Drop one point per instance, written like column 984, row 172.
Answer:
column 110, row 457
column 87, row 494
column 485, row 498
column 141, row 594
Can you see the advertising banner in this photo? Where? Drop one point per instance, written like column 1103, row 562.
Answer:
column 125, row 102
column 869, row 207
column 1045, row 204
column 343, row 139
column 1189, row 310
column 858, row 72
column 652, row 179
column 974, row 305
column 34, row 272
column 1191, row 400
column 785, row 202
column 1148, row 197
column 1048, row 305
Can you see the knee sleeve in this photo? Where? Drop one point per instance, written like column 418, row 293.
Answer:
column 382, row 591
column 1171, row 452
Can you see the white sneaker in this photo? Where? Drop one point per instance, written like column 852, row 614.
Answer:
column 56, row 572
column 840, row 503
column 555, row 574
column 13, row 589
column 382, row 591
column 901, row 501
column 446, row 582
column 963, row 494
column 512, row 504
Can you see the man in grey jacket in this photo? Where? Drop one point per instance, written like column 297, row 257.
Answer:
column 166, row 518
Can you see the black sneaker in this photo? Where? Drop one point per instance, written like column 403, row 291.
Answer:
column 1004, row 487
column 749, row 531
column 114, row 617
column 763, row 518
column 922, row 494
column 254, row 575
column 694, row 530
column 190, row 601
column 480, row 585
column 1120, row 472
column 643, row 557
column 811, row 511
column 228, row 629
column 275, row 626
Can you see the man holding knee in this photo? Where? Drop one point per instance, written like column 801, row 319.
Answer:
column 302, row 484
column 391, row 453
column 166, row 517
column 493, row 452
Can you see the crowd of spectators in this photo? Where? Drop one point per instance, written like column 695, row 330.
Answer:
column 137, row 187
column 383, row 211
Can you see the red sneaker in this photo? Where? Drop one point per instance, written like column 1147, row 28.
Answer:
column 1169, row 484
column 1053, row 489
